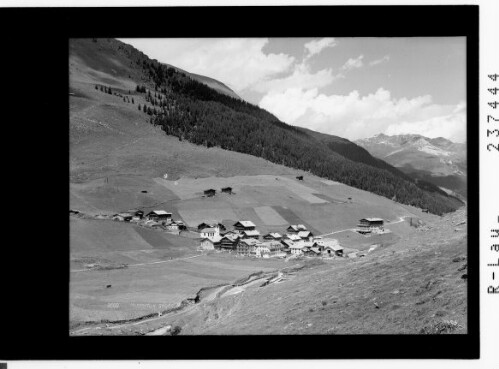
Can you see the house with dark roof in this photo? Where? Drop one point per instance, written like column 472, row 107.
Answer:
column 227, row 190
column 209, row 193
column 367, row 225
column 159, row 215
column 244, row 225
column 272, row 236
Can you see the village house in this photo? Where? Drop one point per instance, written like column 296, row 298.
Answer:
column 209, row 193
column 247, row 246
column 305, row 235
column 212, row 225
column 329, row 247
column 227, row 190
column 311, row 251
column 123, row 217
column 159, row 215
column 287, row 243
column 273, row 236
column 244, row 225
column 293, row 237
column 297, row 247
column 270, row 248
column 368, row 225
column 251, row 234
column 210, row 243
column 229, row 242
column 295, row 228
column 172, row 226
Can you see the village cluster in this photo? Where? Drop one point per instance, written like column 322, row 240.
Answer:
column 245, row 239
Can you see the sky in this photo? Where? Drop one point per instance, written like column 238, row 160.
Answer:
column 349, row 87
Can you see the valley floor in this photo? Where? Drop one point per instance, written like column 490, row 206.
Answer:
column 415, row 285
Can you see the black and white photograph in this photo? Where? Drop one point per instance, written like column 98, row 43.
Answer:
column 268, row 186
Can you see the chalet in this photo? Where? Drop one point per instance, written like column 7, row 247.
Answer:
column 300, row 178
column 159, row 215
column 293, row 237
column 227, row 190
column 210, row 232
column 311, row 251
column 209, row 193
column 251, row 234
column 229, row 242
column 210, row 244
column 305, row 235
column 287, row 243
column 295, row 228
column 203, row 225
column 181, row 225
column 367, row 225
column 247, row 246
column 138, row 213
column 245, row 225
column 273, row 236
column 324, row 243
column 271, row 248
column 172, row 226
column 298, row 247
column 123, row 217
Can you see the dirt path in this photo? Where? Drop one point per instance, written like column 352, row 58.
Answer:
column 400, row 219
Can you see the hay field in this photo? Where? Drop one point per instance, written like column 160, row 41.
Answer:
column 152, row 288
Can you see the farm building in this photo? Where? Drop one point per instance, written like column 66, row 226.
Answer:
column 300, row 178
column 311, row 251
column 123, row 217
column 295, row 228
column 211, row 225
column 247, row 246
column 305, row 235
column 210, row 232
column 367, row 225
column 137, row 213
column 159, row 215
column 251, row 234
column 210, row 244
column 173, row 226
column 229, row 242
column 181, row 225
column 333, row 250
column 272, row 236
column 293, row 237
column 323, row 243
column 227, row 190
column 211, row 192
column 298, row 247
column 272, row 248
column 287, row 243
column 244, row 225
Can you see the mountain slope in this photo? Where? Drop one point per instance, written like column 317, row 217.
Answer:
column 438, row 160
column 191, row 111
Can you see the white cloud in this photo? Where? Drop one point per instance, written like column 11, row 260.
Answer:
column 384, row 59
column 316, row 46
column 353, row 63
column 238, row 62
column 301, row 76
column 353, row 116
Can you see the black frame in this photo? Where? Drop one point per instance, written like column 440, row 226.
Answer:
column 45, row 32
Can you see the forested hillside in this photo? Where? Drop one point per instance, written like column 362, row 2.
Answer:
column 190, row 110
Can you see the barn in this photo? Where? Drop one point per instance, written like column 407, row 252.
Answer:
column 245, row 225
column 209, row 193
column 210, row 244
column 247, row 246
column 159, row 215
column 227, row 190
column 210, row 233
column 367, row 225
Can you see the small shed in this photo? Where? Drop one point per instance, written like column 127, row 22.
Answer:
column 210, row 193
column 300, row 178
column 227, row 190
